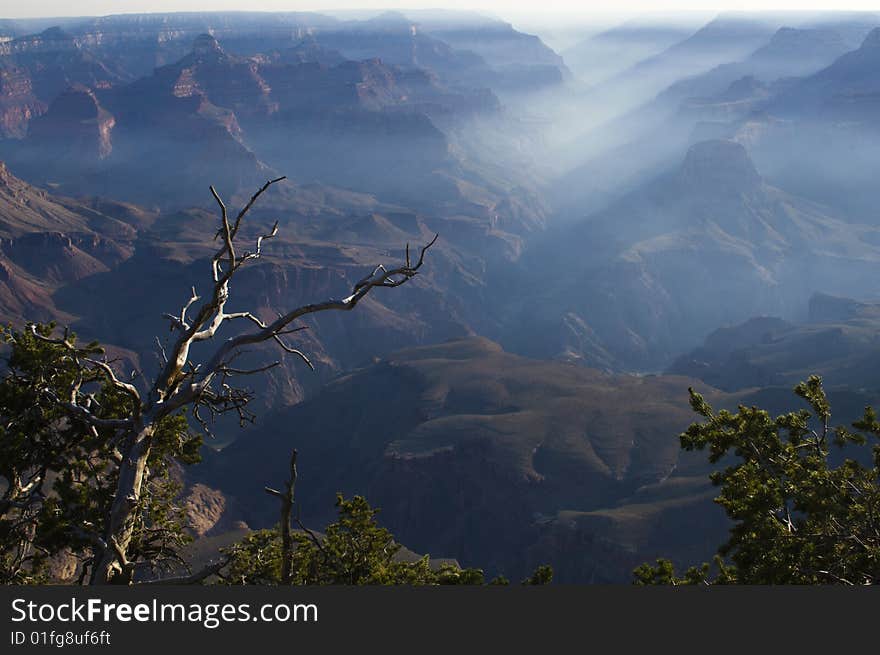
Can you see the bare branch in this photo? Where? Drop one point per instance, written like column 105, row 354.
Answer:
column 125, row 387
column 381, row 277
column 310, row 533
column 180, row 322
column 293, row 351
column 253, row 199
column 247, row 315
column 225, row 218
column 424, row 250
column 226, row 370
column 162, row 351
column 81, row 412
column 260, row 239
column 194, row 578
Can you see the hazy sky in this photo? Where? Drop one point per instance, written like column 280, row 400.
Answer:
column 10, row 9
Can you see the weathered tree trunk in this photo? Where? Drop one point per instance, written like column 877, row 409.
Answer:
column 113, row 566
column 286, row 541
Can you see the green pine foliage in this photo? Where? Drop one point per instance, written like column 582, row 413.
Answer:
column 798, row 518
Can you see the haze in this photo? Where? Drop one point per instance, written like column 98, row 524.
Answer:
column 506, row 9
column 627, row 206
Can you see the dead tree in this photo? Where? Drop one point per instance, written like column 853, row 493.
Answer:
column 208, row 386
column 286, row 498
